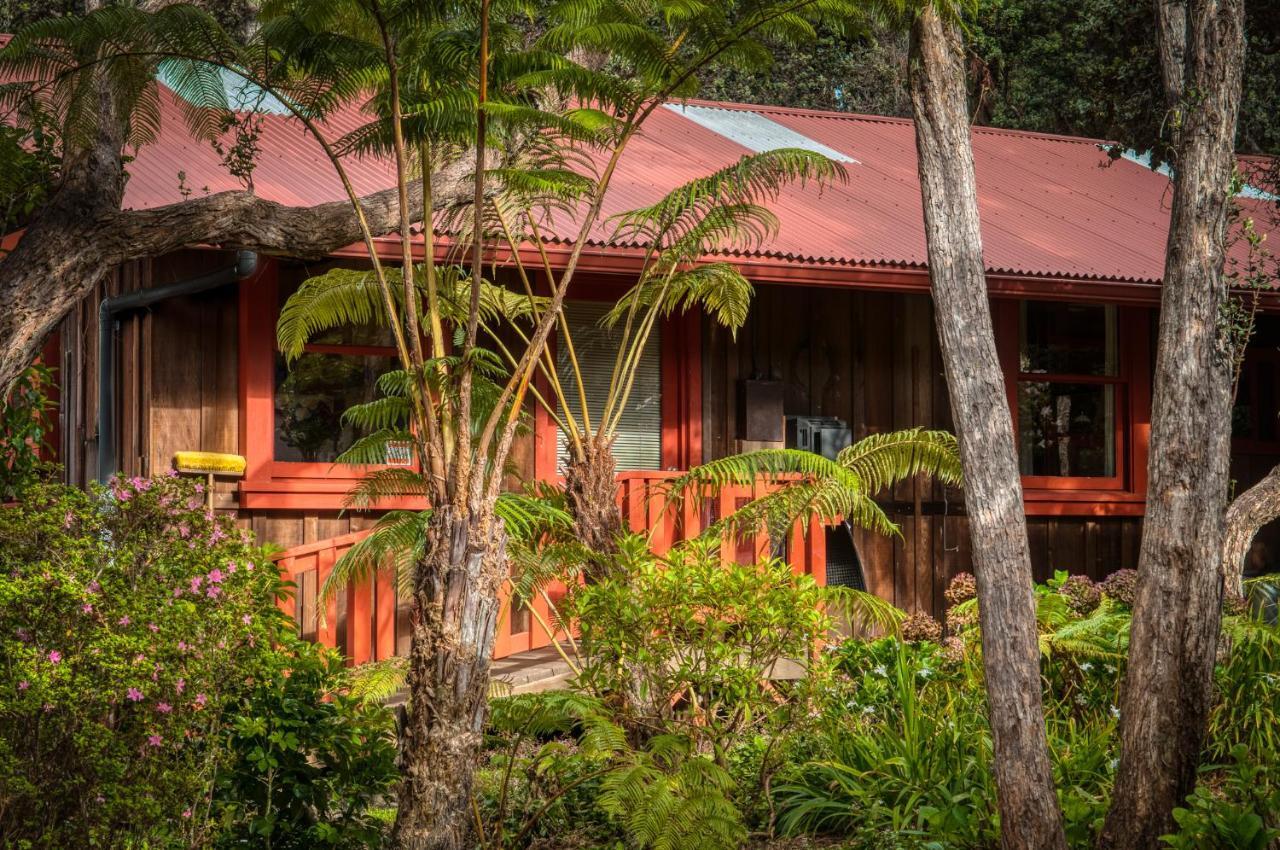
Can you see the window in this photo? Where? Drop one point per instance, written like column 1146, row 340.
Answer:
column 638, row 443
column 337, row 370
column 1068, row 368
column 1068, row 388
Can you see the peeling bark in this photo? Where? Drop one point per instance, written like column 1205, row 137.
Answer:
column 1029, row 815
column 454, row 620
column 1251, row 510
column 1168, row 688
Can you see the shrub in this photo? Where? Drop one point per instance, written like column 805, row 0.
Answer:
column 130, row 620
column 24, row 428
column 687, row 644
column 307, row 763
column 1121, row 586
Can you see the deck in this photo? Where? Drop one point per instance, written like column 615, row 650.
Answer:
column 369, row 621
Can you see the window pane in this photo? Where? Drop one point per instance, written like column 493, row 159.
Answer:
column 1068, row 339
column 638, row 442
column 311, row 398
column 1067, row 429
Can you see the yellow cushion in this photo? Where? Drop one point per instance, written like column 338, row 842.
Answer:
column 206, row 462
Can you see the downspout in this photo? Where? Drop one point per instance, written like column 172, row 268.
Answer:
column 109, row 312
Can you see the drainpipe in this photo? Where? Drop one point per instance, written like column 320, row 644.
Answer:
column 109, row 312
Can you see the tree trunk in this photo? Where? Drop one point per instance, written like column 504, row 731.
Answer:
column 1251, row 510
column 454, row 615
column 591, row 490
column 1029, row 815
column 1178, row 606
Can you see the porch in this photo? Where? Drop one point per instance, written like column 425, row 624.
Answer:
column 370, row 621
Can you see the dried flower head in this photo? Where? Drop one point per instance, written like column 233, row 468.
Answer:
column 1081, row 593
column 919, row 628
column 961, row 589
column 1121, row 586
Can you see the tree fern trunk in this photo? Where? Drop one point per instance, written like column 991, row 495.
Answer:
column 454, row 616
column 1029, row 815
column 591, row 490
column 1168, row 687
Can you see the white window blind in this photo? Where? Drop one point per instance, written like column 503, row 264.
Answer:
column 638, row 442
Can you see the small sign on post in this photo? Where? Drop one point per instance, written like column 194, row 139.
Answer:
column 399, row 453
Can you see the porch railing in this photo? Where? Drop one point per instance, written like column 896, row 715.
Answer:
column 370, row 620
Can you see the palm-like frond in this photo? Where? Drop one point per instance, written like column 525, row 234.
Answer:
column 865, row 612
column 378, row 681
column 802, row 484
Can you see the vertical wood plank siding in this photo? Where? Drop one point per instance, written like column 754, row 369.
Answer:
column 872, row 360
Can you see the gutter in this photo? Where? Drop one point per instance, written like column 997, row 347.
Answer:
column 109, row 313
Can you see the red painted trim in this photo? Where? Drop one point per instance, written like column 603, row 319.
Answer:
column 257, row 370
column 1123, row 494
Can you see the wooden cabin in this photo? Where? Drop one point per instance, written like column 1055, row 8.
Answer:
column 840, row 336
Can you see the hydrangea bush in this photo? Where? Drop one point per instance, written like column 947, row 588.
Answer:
column 130, row 618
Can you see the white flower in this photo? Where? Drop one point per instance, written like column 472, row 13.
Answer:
column 1110, row 668
column 1087, row 666
column 1115, row 712
column 925, row 672
column 1113, row 764
column 880, row 671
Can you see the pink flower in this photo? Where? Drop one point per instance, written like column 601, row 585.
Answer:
column 164, row 707
column 182, row 646
column 213, row 591
column 139, row 658
column 54, row 656
column 124, row 495
column 231, row 566
column 94, row 587
column 23, row 685
column 215, row 575
column 186, row 813
column 86, row 608
column 153, row 627
column 155, row 740
column 23, row 634
column 134, row 695
column 180, row 685
column 201, row 699
column 184, row 530
column 124, row 621
column 68, row 519
column 177, row 591
column 196, row 581
column 140, row 484
column 171, row 473
column 249, row 566
column 246, row 619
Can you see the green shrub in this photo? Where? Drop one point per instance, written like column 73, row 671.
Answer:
column 687, row 644
column 24, row 429
column 130, row 621
column 307, row 763
column 1232, row 808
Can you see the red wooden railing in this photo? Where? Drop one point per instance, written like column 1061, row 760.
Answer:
column 369, row 621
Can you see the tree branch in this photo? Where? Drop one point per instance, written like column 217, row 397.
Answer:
column 1251, row 510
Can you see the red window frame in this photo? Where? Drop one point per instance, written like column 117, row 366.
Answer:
column 681, row 356
column 1124, row 493
column 269, row 484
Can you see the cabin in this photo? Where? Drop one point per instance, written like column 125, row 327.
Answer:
column 840, row 343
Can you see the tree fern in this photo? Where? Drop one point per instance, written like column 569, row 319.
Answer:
column 810, row 485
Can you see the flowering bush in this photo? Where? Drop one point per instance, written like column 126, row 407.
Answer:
column 130, row 618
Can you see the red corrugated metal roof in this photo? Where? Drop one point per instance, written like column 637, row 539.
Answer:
column 1052, row 206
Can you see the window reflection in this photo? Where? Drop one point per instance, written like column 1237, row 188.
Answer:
column 310, row 398
column 1066, row 429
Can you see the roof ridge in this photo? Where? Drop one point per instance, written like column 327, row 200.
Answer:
column 831, row 114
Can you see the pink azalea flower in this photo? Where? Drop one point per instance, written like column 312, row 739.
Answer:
column 196, row 581
column 68, row 519
column 213, row 591
column 182, row 646
column 249, row 566
column 155, row 740
column 246, row 619
column 184, row 530
column 86, row 608
column 177, row 591
column 124, row 495
column 124, row 621
column 139, row 658
column 153, row 627
column 186, row 813
column 215, row 575
column 180, row 685
column 134, row 695
column 231, row 566
column 171, row 473
column 94, row 587
column 201, row 699
column 23, row 685
column 54, row 656
column 164, row 707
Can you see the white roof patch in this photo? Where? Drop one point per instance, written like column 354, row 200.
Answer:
column 753, row 130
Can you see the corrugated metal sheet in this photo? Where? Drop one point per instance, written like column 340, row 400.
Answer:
column 753, row 130
column 1051, row 206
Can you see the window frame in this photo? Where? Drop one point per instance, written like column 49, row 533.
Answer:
column 275, row 484
column 1123, row 493
column 681, row 364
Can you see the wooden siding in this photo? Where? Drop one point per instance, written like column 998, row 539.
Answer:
column 872, row 359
